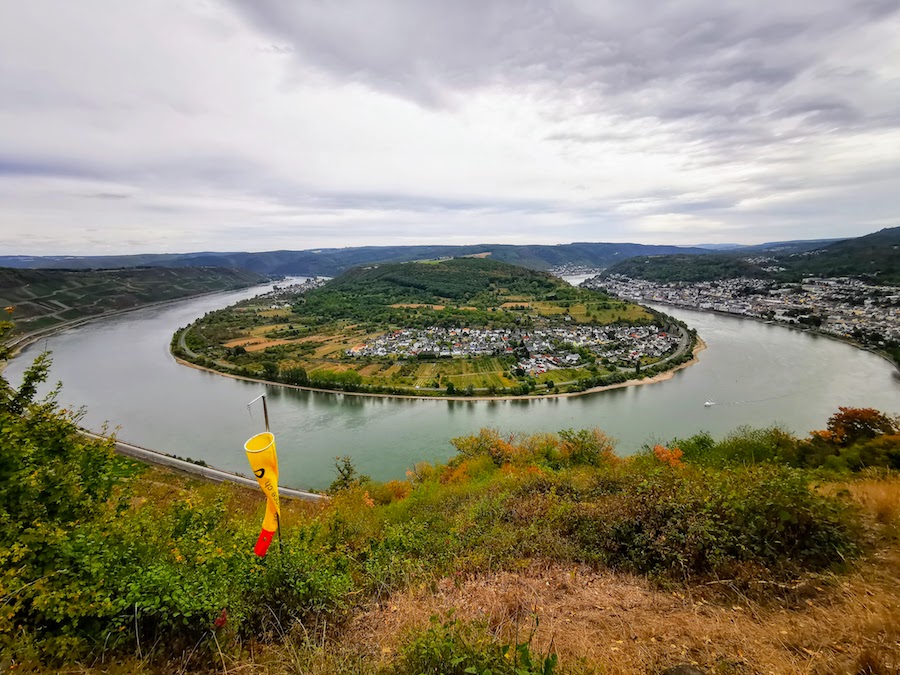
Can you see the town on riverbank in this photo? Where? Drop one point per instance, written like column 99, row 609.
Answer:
column 538, row 351
column 838, row 306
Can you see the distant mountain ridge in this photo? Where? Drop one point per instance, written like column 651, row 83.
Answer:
column 333, row 261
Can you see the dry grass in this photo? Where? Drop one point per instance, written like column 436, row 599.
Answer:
column 161, row 487
column 243, row 342
column 622, row 624
column 371, row 369
column 879, row 497
column 611, row 623
column 259, row 346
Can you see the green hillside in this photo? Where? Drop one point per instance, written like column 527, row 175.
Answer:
column 480, row 282
column 875, row 257
column 45, row 298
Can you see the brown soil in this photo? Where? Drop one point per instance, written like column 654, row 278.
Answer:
column 414, row 305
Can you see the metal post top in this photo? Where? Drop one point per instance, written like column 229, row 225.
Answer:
column 265, row 408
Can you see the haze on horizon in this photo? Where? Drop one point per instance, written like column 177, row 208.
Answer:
column 164, row 126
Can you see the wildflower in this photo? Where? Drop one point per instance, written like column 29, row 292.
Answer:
column 368, row 500
column 9, row 309
column 222, row 620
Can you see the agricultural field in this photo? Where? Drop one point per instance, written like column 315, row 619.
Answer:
column 457, row 326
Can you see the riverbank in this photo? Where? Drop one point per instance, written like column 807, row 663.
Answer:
column 661, row 377
column 809, row 330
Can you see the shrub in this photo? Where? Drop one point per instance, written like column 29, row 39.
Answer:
column 454, row 647
column 745, row 445
column 703, row 522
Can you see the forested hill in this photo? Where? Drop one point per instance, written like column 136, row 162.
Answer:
column 875, row 257
column 476, row 283
column 461, row 280
column 45, row 298
column 333, row 261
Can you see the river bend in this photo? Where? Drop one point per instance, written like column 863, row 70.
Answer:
column 120, row 369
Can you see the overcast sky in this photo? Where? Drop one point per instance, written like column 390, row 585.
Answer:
column 186, row 125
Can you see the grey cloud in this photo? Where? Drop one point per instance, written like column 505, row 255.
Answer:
column 106, row 195
column 673, row 62
column 823, row 110
column 36, row 166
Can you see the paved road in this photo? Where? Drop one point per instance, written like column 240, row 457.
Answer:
column 216, row 475
column 182, row 343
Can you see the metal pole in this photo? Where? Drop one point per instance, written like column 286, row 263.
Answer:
column 265, row 408
column 280, row 542
column 277, row 517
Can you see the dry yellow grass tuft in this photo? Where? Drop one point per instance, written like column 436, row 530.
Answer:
column 879, row 497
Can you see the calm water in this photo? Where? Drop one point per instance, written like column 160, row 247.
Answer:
column 120, row 369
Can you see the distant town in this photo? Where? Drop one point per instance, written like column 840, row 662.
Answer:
column 538, row 350
column 839, row 306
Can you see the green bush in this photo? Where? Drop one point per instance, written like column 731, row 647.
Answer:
column 83, row 570
column 454, row 647
column 745, row 445
column 706, row 522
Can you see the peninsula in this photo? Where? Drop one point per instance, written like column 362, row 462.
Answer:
column 466, row 326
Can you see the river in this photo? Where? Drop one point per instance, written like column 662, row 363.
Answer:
column 120, row 369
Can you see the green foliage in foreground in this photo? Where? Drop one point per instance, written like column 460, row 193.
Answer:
column 89, row 565
column 854, row 439
column 453, row 647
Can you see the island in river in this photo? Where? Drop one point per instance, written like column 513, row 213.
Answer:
column 451, row 327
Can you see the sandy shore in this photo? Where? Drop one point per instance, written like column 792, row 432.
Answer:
column 662, row 377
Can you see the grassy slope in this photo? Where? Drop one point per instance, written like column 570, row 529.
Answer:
column 595, row 618
column 45, row 298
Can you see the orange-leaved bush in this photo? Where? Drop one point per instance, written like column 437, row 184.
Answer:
column 669, row 456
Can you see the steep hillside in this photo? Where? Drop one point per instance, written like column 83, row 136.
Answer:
column 875, row 257
column 44, row 298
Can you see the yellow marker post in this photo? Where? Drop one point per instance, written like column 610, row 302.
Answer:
column 264, row 462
